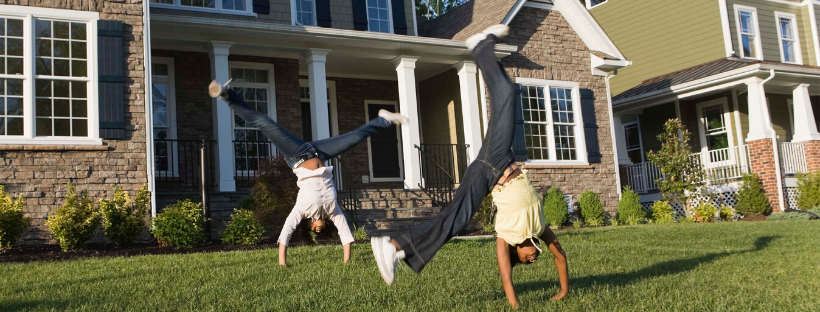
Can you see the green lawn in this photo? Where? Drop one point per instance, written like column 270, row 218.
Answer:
column 742, row 266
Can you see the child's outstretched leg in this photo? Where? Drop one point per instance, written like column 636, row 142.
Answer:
column 332, row 147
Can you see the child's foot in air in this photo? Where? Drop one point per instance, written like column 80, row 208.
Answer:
column 217, row 90
column 394, row 118
column 499, row 31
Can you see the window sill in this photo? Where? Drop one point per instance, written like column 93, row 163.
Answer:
column 52, row 145
column 558, row 165
column 203, row 10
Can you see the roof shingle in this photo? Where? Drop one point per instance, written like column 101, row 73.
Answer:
column 467, row 19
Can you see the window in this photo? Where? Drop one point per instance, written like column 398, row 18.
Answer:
column 715, row 131
column 304, row 98
column 552, row 121
column 787, row 32
column 250, row 145
column 240, row 7
column 634, row 148
column 54, row 102
column 378, row 16
column 594, row 3
column 163, row 103
column 748, row 31
column 305, row 12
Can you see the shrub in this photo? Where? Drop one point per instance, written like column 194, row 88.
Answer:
column 76, row 222
column 788, row 216
column 274, row 192
column 728, row 213
column 13, row 221
column 704, row 212
column 123, row 220
column 614, row 222
column 578, row 224
column 662, row 212
column 751, row 200
column 485, row 215
column 555, row 208
column 360, row 234
column 629, row 208
column 591, row 210
column 243, row 228
column 808, row 190
column 246, row 203
column 180, row 225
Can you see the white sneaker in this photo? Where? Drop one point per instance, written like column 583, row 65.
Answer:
column 386, row 258
column 394, row 118
column 215, row 89
column 499, row 31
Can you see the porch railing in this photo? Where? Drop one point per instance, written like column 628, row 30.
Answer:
column 346, row 193
column 178, row 164
column 247, row 156
column 792, row 157
column 641, row 177
column 442, row 166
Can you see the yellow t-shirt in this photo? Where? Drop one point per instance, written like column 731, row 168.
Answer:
column 519, row 216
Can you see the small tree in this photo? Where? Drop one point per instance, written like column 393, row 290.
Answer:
column 751, row 199
column 808, row 188
column 555, row 208
column 682, row 177
column 629, row 208
column 591, row 210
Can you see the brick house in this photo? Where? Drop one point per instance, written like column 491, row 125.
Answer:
column 322, row 68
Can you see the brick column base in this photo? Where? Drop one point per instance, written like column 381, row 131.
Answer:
column 812, row 150
column 761, row 156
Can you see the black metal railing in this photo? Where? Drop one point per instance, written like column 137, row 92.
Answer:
column 178, row 164
column 247, row 157
column 442, row 166
column 346, row 193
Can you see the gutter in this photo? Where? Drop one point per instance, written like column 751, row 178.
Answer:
column 149, row 108
column 612, row 135
column 775, row 148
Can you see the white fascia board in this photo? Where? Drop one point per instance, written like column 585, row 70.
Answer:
column 600, row 67
column 586, row 27
column 513, row 12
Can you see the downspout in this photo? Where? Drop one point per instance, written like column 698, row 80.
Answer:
column 612, row 135
column 778, row 174
column 149, row 111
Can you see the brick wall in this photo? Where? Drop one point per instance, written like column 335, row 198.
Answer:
column 41, row 172
column 761, row 155
column 550, row 49
column 812, row 149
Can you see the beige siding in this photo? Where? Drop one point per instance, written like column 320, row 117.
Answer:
column 806, row 37
column 661, row 36
column 767, row 23
column 441, row 109
column 779, row 112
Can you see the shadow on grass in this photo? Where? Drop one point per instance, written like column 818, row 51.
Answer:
column 666, row 268
column 28, row 305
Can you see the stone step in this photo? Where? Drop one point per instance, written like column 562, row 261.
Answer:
column 390, row 193
column 390, row 213
column 391, row 223
column 383, row 203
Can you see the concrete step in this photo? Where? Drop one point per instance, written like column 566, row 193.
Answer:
column 389, row 213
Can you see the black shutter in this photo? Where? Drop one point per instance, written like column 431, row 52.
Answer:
column 519, row 143
column 261, row 6
column 399, row 20
column 323, row 13
column 111, row 86
column 360, row 14
column 590, row 125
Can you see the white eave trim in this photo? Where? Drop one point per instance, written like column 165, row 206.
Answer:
column 695, row 84
column 317, row 31
column 513, row 12
column 600, row 66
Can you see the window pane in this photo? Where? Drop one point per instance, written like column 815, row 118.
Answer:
column 62, row 67
column 749, row 49
column 713, row 117
column 786, row 28
column 79, row 108
column 14, row 28
column 14, row 126
column 788, row 51
column 61, row 30
column 79, row 127
column 159, row 104
column 61, row 108
column 43, row 127
column 43, row 108
column 14, row 106
column 42, row 29
column 718, row 141
column 79, row 89
column 62, row 127
column 746, row 23
column 632, row 137
column 78, row 31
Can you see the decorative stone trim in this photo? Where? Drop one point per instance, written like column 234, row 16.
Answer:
column 53, row 148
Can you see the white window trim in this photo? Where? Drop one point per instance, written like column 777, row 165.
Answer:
column 640, row 138
column 590, row 6
column 271, row 87
column 798, row 52
column 334, row 111
column 704, row 146
column 171, row 108
column 293, row 15
column 369, row 148
column 389, row 12
column 580, row 137
column 758, row 45
column 28, row 14
column 216, row 9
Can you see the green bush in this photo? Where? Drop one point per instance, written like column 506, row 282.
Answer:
column 808, row 190
column 123, row 220
column 13, row 221
column 751, row 199
column 485, row 215
column 629, row 208
column 180, row 225
column 728, row 213
column 76, row 222
column 555, row 208
column 360, row 234
column 662, row 212
column 244, row 228
column 704, row 212
column 788, row 216
column 591, row 210
column 246, row 203
column 274, row 193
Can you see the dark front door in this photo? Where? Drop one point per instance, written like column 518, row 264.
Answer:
column 385, row 149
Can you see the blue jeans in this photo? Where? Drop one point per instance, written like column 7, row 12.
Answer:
column 421, row 243
column 294, row 149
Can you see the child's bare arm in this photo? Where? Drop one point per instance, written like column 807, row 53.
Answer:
column 560, row 259
column 505, row 270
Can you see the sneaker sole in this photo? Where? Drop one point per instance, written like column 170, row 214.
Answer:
column 377, row 250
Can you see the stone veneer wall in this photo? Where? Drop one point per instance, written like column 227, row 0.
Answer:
column 41, row 172
column 550, row 49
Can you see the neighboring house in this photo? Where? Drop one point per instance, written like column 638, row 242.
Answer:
column 324, row 67
column 741, row 75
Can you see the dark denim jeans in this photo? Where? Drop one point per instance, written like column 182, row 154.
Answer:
column 421, row 243
column 295, row 149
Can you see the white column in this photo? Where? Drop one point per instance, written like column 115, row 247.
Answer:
column 470, row 110
column 485, row 119
column 759, row 119
column 805, row 129
column 408, row 104
column 317, row 81
column 220, row 71
column 620, row 141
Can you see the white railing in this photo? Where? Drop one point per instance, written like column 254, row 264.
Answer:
column 719, row 166
column 792, row 157
column 641, row 177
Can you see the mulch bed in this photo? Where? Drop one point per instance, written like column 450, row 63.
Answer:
column 754, row 218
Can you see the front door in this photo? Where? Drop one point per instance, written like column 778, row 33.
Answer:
column 384, row 147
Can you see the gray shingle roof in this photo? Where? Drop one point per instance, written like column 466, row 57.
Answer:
column 467, row 19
